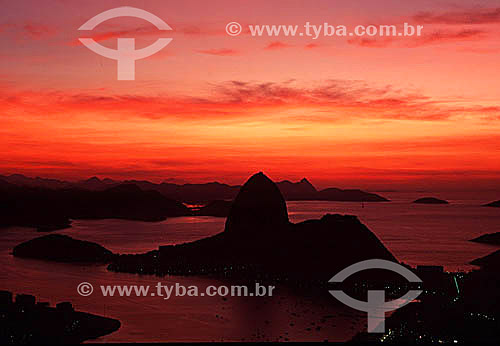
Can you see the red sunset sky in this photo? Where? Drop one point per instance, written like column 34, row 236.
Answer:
column 369, row 112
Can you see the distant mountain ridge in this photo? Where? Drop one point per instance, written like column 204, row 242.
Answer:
column 205, row 192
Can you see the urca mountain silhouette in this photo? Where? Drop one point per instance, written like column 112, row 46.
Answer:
column 259, row 240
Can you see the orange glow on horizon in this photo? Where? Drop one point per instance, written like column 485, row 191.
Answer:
column 214, row 107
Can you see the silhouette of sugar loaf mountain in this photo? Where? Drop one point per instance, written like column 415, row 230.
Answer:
column 260, row 240
column 258, row 207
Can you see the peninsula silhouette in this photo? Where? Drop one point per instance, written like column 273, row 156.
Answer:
column 61, row 248
column 495, row 204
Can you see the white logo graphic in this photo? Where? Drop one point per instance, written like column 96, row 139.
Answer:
column 233, row 29
column 126, row 54
column 85, row 289
column 376, row 306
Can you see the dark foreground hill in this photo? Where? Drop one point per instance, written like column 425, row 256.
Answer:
column 259, row 240
column 51, row 209
column 27, row 322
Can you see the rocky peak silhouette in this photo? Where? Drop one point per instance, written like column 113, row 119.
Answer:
column 258, row 207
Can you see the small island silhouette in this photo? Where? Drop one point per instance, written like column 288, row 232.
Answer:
column 430, row 200
column 61, row 248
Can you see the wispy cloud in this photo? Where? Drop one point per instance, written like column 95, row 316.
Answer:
column 445, row 37
column 37, row 31
column 114, row 32
column 277, row 45
column 435, row 37
column 472, row 16
column 27, row 30
column 233, row 101
column 312, row 46
column 219, row 52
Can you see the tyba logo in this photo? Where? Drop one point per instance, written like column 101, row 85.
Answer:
column 376, row 306
column 126, row 54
